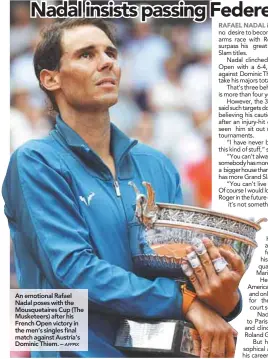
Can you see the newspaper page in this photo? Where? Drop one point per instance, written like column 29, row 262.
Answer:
column 194, row 88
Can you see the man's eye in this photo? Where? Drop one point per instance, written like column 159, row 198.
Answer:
column 111, row 54
column 86, row 55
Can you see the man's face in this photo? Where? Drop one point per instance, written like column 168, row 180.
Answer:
column 89, row 71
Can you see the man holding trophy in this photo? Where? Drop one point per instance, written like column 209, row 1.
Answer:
column 70, row 205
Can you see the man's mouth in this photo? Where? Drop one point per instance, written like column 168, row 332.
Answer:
column 107, row 81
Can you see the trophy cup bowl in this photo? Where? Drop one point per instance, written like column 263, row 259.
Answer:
column 166, row 230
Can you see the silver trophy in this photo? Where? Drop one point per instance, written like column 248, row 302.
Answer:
column 159, row 241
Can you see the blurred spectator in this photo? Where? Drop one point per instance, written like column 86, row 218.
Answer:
column 143, row 61
column 175, row 134
column 169, row 103
column 180, row 39
column 144, row 130
column 196, row 78
column 26, row 121
column 125, row 113
column 22, row 31
column 23, row 75
column 200, row 173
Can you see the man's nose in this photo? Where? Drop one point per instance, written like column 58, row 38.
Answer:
column 105, row 61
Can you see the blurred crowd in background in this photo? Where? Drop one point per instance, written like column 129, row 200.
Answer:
column 165, row 93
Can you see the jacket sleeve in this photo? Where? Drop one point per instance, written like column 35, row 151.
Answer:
column 236, row 311
column 40, row 201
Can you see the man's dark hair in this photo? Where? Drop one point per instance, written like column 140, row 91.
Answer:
column 49, row 50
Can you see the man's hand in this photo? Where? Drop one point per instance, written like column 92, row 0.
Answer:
column 216, row 335
column 218, row 289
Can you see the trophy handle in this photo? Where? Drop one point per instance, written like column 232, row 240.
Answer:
column 261, row 220
column 141, row 201
column 150, row 196
column 150, row 209
column 146, row 209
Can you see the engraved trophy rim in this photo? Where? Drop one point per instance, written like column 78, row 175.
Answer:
column 249, row 222
column 148, row 210
column 207, row 230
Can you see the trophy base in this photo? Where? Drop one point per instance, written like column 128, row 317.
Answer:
column 165, row 339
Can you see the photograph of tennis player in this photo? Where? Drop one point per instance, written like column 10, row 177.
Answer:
column 96, row 104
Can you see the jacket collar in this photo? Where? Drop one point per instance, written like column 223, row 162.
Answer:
column 120, row 147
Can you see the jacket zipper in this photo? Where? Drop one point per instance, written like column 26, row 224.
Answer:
column 117, row 188
column 118, row 194
column 116, row 184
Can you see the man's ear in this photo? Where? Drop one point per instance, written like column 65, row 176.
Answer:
column 50, row 79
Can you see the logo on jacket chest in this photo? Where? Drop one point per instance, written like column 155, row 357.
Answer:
column 88, row 199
